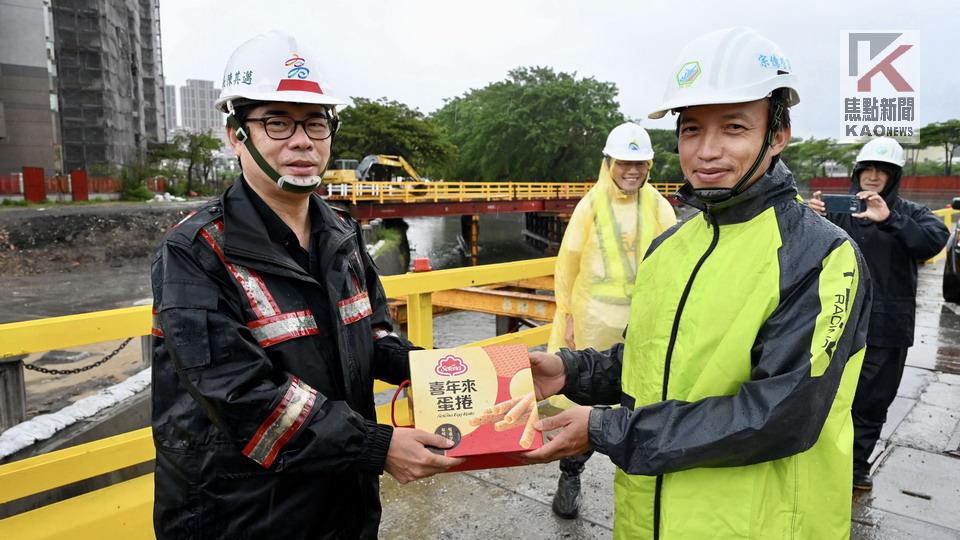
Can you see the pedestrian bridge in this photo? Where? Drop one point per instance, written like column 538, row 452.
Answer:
column 369, row 200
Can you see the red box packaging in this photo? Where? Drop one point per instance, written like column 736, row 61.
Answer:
column 482, row 398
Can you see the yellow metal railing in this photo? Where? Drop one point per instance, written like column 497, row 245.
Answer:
column 412, row 192
column 124, row 510
column 947, row 215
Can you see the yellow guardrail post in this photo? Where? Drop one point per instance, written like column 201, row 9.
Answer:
column 420, row 319
column 947, row 215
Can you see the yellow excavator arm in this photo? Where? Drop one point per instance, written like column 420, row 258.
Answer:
column 346, row 170
column 397, row 161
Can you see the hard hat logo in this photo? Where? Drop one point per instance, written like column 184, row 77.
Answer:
column 298, row 70
column 688, row 74
column 296, row 76
column 634, row 146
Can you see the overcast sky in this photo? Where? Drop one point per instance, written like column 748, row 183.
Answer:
column 420, row 52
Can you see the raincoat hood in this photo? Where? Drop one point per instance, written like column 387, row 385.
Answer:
column 891, row 192
column 608, row 185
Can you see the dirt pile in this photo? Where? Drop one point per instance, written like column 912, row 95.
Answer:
column 62, row 239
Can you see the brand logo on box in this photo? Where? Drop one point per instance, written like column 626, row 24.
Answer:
column 450, row 366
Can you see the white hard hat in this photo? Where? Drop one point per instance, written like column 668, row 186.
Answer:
column 735, row 65
column 272, row 67
column 628, row 142
column 882, row 149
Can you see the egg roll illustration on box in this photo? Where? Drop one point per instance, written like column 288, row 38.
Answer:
column 481, row 398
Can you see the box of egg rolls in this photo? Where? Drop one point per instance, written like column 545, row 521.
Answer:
column 481, row 398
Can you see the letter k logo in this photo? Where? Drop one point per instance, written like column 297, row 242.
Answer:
column 878, row 42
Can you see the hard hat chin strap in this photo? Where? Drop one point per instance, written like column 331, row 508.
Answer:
column 717, row 195
column 293, row 184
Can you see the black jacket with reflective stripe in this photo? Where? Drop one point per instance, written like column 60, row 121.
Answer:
column 257, row 435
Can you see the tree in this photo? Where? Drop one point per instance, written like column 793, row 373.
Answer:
column 808, row 158
column 945, row 134
column 197, row 150
column 666, row 161
column 535, row 124
column 388, row 127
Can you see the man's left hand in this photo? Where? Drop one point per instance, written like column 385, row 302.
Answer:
column 572, row 440
column 877, row 210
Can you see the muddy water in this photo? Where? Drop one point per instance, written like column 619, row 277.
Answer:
column 32, row 297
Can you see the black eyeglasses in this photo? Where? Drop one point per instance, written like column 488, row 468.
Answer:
column 280, row 128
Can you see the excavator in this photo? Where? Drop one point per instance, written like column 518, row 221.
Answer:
column 350, row 170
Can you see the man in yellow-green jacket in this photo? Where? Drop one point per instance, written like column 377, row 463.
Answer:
column 745, row 339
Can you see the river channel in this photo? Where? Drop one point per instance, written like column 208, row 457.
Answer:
column 32, row 297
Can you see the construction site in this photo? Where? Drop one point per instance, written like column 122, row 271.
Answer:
column 100, row 62
column 227, row 351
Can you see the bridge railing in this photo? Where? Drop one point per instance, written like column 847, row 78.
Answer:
column 123, row 510
column 411, row 192
column 948, row 215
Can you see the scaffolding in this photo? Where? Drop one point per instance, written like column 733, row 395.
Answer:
column 110, row 80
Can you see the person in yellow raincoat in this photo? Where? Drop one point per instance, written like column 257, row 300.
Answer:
column 610, row 230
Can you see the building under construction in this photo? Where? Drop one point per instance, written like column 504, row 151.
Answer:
column 110, row 80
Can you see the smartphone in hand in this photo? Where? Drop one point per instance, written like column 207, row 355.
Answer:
column 843, row 204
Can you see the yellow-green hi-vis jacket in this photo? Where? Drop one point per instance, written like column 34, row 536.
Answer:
column 737, row 375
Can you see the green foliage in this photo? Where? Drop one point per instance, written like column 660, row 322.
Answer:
column 808, row 158
column 388, row 127
column 389, row 234
column 944, row 134
column 195, row 152
column 15, row 202
column 666, row 162
column 535, row 124
column 925, row 168
column 133, row 179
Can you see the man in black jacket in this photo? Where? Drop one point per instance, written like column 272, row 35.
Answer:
column 894, row 235
column 271, row 326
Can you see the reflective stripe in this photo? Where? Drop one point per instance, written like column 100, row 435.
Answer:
column 260, row 298
column 282, row 424
column 279, row 328
column 617, row 284
column 619, row 273
column 355, row 308
column 188, row 216
column 155, row 328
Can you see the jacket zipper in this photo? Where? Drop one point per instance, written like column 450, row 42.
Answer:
column 711, row 220
column 347, row 361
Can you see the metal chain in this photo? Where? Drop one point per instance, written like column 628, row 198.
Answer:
column 102, row 361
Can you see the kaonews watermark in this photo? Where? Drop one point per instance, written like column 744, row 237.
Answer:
column 880, row 88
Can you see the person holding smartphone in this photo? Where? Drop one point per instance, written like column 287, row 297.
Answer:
column 894, row 235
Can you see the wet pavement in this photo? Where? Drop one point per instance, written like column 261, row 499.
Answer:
column 916, row 465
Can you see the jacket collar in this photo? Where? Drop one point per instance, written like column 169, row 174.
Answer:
column 245, row 237
column 775, row 186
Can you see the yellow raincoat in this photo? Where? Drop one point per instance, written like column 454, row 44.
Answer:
column 606, row 238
